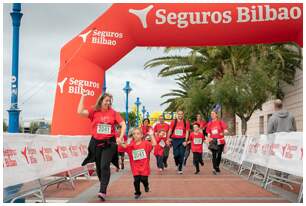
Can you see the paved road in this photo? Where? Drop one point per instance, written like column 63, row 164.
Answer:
column 188, row 187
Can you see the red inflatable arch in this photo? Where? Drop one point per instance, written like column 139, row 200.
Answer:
column 124, row 26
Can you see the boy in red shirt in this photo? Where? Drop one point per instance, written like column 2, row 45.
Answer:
column 161, row 142
column 139, row 153
column 196, row 139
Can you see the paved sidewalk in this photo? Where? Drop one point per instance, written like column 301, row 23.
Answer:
column 188, row 187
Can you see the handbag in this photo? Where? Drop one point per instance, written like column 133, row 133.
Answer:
column 213, row 145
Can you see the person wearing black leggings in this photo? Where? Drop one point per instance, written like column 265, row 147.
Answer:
column 102, row 147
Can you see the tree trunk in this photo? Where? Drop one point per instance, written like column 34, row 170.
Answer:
column 244, row 126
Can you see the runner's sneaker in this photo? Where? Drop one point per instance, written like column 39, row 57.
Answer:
column 214, row 172
column 137, row 197
column 102, row 196
column 197, row 172
column 180, row 172
column 147, row 189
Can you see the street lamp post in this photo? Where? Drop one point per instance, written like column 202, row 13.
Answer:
column 138, row 103
column 127, row 89
column 14, row 111
column 143, row 111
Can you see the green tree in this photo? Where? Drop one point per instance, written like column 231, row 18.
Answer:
column 132, row 118
column 5, row 127
column 33, row 127
column 244, row 94
column 242, row 77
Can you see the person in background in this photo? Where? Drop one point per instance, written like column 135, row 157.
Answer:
column 215, row 130
column 121, row 150
column 202, row 124
column 147, row 130
column 196, row 139
column 162, row 125
column 281, row 120
column 178, row 135
column 161, row 142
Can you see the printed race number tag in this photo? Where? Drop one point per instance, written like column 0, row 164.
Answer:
column 214, row 131
column 139, row 154
column 162, row 143
column 197, row 141
column 104, row 129
column 178, row 132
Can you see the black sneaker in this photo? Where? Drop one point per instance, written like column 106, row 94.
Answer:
column 165, row 165
column 218, row 170
column 122, row 166
column 202, row 163
column 214, row 172
column 197, row 172
column 147, row 189
column 137, row 197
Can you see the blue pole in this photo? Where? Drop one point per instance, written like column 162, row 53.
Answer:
column 143, row 112
column 127, row 90
column 104, row 84
column 14, row 111
column 137, row 111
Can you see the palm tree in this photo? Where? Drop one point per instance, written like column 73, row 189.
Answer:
column 209, row 65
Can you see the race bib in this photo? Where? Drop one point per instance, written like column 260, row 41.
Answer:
column 104, row 129
column 178, row 132
column 197, row 141
column 162, row 143
column 139, row 154
column 220, row 141
column 214, row 131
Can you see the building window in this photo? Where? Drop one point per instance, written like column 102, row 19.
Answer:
column 261, row 125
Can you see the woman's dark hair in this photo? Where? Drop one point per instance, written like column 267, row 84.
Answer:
column 145, row 120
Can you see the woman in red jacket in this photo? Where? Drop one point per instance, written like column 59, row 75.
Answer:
column 103, row 120
column 215, row 130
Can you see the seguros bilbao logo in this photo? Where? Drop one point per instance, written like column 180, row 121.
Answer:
column 78, row 86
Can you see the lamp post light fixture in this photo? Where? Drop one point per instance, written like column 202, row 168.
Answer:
column 127, row 89
column 138, row 103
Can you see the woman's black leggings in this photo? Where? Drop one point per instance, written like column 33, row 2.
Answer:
column 216, row 157
column 104, row 155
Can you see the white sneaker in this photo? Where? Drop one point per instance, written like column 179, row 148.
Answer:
column 180, row 172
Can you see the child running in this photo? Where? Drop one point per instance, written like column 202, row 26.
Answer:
column 196, row 139
column 161, row 142
column 139, row 153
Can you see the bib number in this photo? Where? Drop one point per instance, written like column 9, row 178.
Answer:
column 197, row 141
column 214, row 131
column 139, row 154
column 178, row 132
column 104, row 129
column 162, row 143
